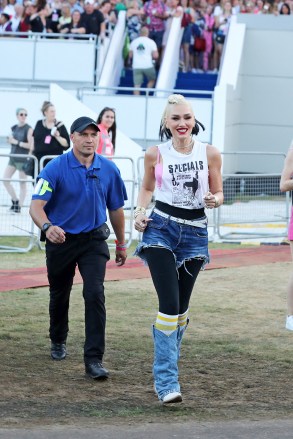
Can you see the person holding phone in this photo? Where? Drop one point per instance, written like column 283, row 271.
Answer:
column 50, row 136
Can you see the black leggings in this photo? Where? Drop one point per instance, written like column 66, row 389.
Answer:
column 173, row 291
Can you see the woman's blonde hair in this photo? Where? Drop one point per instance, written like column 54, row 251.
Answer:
column 176, row 99
column 45, row 106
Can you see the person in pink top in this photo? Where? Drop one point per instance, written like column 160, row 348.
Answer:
column 156, row 13
column 107, row 124
column 208, row 36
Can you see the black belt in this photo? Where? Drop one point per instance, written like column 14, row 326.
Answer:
column 101, row 234
column 82, row 235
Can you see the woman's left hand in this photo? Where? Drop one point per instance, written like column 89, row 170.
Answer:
column 211, row 201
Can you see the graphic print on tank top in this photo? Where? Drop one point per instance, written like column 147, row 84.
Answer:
column 185, row 185
column 182, row 180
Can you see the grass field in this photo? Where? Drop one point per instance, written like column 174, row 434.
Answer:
column 237, row 360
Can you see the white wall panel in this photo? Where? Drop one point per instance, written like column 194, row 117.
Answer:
column 17, row 58
column 65, row 60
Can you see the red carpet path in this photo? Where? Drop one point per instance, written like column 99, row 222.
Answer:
column 134, row 268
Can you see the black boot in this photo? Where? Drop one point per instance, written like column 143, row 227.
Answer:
column 15, row 208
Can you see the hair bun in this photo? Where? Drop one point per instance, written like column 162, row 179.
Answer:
column 176, row 99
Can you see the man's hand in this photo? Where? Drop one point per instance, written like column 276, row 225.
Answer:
column 56, row 235
column 121, row 257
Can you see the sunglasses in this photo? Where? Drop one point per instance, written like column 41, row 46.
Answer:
column 22, row 114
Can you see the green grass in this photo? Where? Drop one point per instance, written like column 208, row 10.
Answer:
column 236, row 356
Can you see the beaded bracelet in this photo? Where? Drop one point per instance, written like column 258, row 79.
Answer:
column 120, row 246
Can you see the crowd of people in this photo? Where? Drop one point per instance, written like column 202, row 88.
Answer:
column 205, row 23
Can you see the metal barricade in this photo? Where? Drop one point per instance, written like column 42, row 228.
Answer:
column 17, row 229
column 254, row 207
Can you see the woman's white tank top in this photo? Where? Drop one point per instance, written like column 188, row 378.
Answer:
column 182, row 179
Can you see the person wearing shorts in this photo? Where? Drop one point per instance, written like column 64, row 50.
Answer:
column 186, row 175
column 286, row 184
column 143, row 51
column 20, row 140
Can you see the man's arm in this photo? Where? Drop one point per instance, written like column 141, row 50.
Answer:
column 54, row 233
column 118, row 223
column 155, row 54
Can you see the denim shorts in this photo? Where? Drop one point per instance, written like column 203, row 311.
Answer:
column 184, row 241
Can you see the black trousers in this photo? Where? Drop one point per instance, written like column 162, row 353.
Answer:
column 91, row 256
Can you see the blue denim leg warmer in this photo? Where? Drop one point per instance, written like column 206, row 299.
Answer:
column 165, row 367
column 180, row 336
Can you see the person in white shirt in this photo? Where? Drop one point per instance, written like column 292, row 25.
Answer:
column 143, row 51
column 9, row 8
column 17, row 17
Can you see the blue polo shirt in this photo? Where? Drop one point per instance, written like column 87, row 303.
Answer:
column 78, row 197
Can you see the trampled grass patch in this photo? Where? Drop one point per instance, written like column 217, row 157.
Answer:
column 236, row 360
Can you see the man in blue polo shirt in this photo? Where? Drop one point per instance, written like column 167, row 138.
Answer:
column 69, row 205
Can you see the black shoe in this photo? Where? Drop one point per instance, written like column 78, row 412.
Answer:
column 58, row 351
column 96, row 371
column 15, row 208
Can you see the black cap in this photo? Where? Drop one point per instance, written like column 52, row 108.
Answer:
column 82, row 123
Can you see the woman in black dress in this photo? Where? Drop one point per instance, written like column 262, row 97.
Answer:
column 50, row 135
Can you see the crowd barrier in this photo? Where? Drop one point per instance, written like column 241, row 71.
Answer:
column 254, row 207
column 18, row 232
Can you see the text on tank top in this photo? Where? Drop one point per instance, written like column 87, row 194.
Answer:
column 182, row 179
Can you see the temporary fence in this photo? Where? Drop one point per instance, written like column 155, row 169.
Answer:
column 17, row 230
column 17, row 225
column 254, row 207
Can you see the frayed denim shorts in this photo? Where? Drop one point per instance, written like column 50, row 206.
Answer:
column 184, row 241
